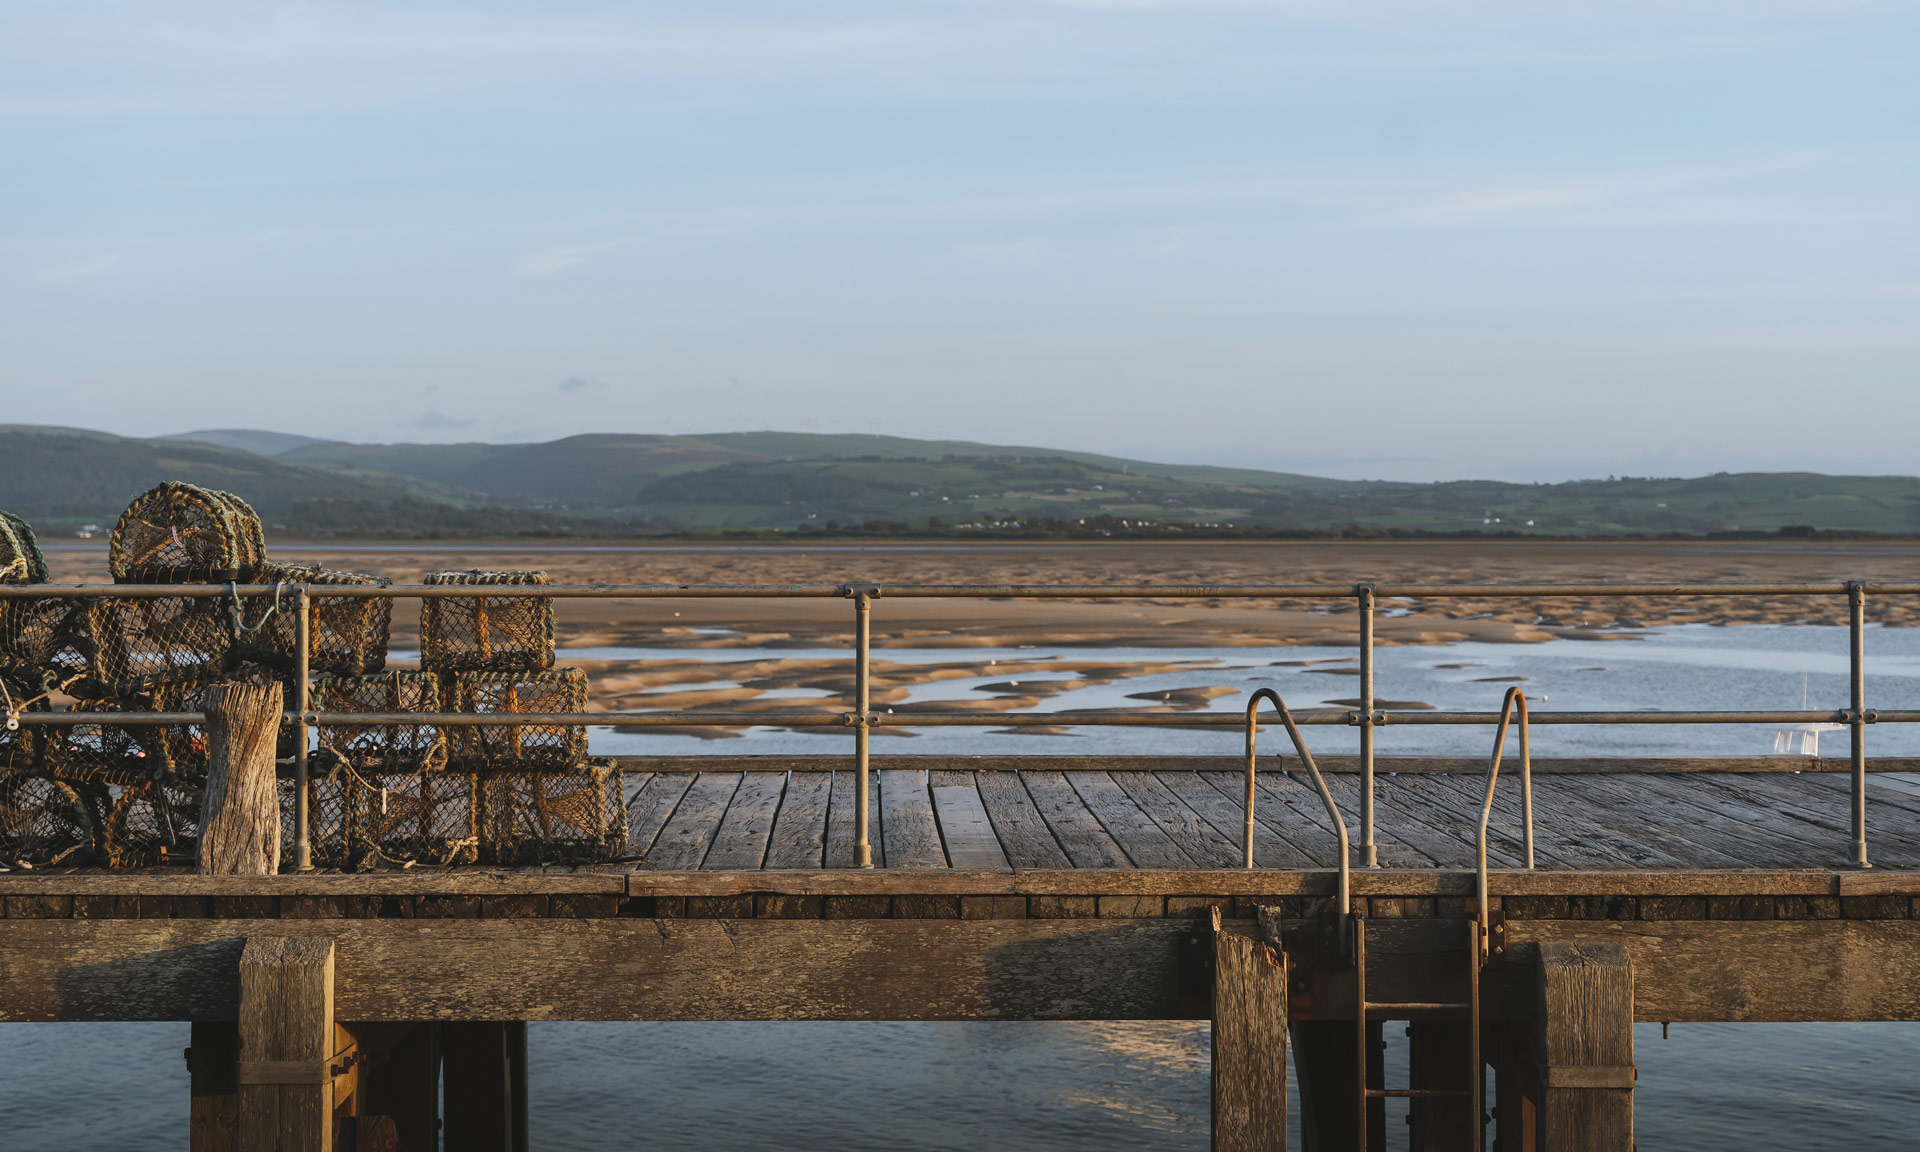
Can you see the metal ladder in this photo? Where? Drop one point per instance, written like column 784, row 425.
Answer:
column 1480, row 949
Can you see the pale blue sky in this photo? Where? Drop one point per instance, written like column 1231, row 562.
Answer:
column 1420, row 240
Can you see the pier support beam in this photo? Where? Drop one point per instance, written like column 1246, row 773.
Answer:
column 213, row 1065
column 1437, row 1059
column 1323, row 1064
column 485, row 1064
column 1249, row 1044
column 1585, row 1034
column 287, row 1045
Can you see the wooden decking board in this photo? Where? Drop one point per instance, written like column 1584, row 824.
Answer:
column 966, row 828
column 1084, row 839
column 650, row 809
column 744, row 831
column 1733, row 827
column 799, row 837
column 1202, row 843
column 1228, row 817
column 1681, row 848
column 1146, row 843
column 1566, row 834
column 1017, row 821
column 910, row 830
column 840, row 821
column 990, row 822
column 1711, row 838
column 682, row 844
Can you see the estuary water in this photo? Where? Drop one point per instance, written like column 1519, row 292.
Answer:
column 1088, row 1086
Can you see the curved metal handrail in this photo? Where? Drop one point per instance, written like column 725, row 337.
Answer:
column 1515, row 702
column 1345, row 899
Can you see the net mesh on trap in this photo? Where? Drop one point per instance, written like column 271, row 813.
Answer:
column 46, row 822
column 575, row 817
column 117, row 754
column 346, row 635
column 382, row 747
column 487, row 633
column 149, row 823
column 112, row 647
column 178, row 533
column 371, row 819
column 519, row 747
column 21, row 561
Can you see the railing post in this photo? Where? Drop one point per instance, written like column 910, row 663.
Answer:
column 302, row 651
column 1369, row 854
column 1857, row 637
column 862, row 733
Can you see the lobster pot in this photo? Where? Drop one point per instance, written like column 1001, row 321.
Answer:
column 520, row 747
column 346, row 635
column 120, row 646
column 364, row 820
column 120, row 754
column 21, row 561
column 577, row 817
column 46, row 822
column 486, row 633
column 23, row 749
column 37, row 643
column 150, row 823
column 382, row 747
column 182, row 534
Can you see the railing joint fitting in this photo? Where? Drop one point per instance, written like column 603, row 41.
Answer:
column 860, row 591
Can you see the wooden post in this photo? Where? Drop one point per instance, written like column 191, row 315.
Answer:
column 213, row 1062
column 240, row 825
column 286, row 1045
column 484, row 1065
column 1437, row 1058
column 1516, row 1098
column 1324, row 1064
column 1585, row 1029
column 403, row 1082
column 1249, row 1044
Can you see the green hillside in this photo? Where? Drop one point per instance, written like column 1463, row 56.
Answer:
column 612, row 483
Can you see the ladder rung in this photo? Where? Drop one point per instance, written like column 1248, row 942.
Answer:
column 1417, row 1006
column 1417, row 1093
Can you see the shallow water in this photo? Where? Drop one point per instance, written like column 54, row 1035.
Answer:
column 1085, row 1086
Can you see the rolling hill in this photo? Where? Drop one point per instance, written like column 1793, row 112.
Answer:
column 620, row 484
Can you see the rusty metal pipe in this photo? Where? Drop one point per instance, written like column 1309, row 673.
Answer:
column 1515, row 702
column 1857, row 721
column 1345, row 899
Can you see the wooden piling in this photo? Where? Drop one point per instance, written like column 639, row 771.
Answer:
column 1437, row 1059
column 240, row 825
column 1585, row 1046
column 485, row 1071
column 213, row 1063
column 287, row 1037
column 1249, row 1044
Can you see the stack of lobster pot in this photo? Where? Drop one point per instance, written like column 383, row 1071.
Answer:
column 538, row 797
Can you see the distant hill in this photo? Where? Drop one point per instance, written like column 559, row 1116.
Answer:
column 617, row 483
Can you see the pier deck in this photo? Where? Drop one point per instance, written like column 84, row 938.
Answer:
column 1163, row 815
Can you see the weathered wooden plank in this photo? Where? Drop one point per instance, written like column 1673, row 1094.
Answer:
column 1585, row 1028
column 1079, row 833
column 1202, row 843
column 683, row 842
column 1653, row 842
column 465, row 881
column 1336, row 763
column 1249, row 1044
column 916, row 969
column 1227, row 815
column 1451, row 805
column 286, row 1013
column 967, row 829
column 1144, row 842
column 800, row 830
column 912, row 835
column 840, row 822
column 1820, row 812
column 744, row 831
column 651, row 808
column 1017, row 821
column 1742, row 830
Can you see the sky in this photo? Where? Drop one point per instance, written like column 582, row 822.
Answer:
column 1408, row 239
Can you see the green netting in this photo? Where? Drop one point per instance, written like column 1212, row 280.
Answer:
column 21, row 561
column 486, row 633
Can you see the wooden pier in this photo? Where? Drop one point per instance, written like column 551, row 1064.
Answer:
column 330, row 1008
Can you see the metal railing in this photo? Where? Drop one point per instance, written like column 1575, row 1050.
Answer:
column 862, row 719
